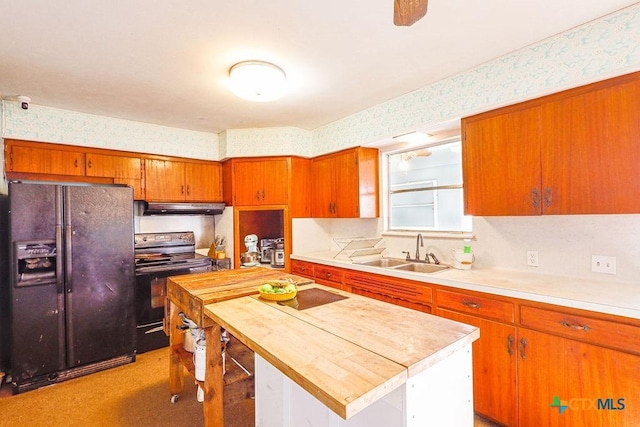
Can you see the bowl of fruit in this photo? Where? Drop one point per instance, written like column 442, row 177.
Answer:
column 278, row 290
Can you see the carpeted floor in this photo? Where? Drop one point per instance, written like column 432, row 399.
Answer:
column 136, row 394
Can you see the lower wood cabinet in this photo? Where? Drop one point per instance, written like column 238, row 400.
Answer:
column 535, row 364
column 329, row 276
column 494, row 354
column 494, row 367
column 564, row 382
column 405, row 293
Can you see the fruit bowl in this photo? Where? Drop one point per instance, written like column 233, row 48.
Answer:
column 278, row 290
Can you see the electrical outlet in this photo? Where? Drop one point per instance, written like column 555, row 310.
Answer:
column 532, row 258
column 603, row 264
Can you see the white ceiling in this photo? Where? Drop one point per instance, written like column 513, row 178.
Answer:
column 166, row 62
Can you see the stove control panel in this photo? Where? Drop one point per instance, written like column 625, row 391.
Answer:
column 164, row 239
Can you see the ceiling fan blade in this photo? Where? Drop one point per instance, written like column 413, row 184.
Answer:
column 408, row 12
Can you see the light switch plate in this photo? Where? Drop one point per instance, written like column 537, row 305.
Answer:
column 603, row 264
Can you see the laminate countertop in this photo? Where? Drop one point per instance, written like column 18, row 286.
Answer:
column 622, row 299
column 347, row 353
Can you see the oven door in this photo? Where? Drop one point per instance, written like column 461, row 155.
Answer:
column 151, row 293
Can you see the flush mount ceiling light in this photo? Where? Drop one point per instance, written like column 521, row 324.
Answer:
column 257, row 81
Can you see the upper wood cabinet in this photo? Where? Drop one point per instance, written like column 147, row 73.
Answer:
column 40, row 158
column 123, row 169
column 345, row 184
column 261, row 181
column 574, row 152
column 177, row 181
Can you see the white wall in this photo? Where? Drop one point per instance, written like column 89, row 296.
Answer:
column 565, row 243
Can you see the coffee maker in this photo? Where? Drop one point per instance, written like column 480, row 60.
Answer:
column 265, row 250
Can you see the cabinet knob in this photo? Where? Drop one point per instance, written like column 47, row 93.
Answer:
column 75, row 163
column 510, row 345
column 182, row 189
column 471, row 304
column 547, row 197
column 188, row 191
column 262, row 194
column 523, row 347
column 258, row 195
column 534, row 197
column 89, row 164
column 574, row 326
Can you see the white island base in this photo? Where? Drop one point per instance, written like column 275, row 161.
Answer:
column 441, row 395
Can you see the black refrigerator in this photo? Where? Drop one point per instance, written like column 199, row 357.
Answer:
column 69, row 292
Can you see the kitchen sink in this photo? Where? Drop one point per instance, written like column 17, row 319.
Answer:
column 422, row 268
column 385, row 262
column 401, row 264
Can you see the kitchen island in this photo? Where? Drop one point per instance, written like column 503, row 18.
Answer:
column 352, row 361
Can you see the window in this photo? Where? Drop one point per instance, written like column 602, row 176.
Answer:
column 424, row 189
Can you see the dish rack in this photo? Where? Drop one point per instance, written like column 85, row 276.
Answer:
column 359, row 249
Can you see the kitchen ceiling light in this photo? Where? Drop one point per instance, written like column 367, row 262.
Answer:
column 257, row 81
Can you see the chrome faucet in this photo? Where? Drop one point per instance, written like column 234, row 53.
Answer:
column 419, row 242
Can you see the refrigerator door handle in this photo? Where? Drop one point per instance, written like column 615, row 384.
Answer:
column 59, row 279
column 68, row 258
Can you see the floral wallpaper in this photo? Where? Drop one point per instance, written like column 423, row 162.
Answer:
column 595, row 51
column 68, row 127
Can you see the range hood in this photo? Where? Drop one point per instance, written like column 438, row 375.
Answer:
column 162, row 208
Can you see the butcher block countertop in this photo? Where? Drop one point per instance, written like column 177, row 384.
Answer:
column 346, row 353
column 191, row 292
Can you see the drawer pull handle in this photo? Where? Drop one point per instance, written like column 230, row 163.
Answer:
column 523, row 347
column 576, row 327
column 471, row 304
column 510, row 345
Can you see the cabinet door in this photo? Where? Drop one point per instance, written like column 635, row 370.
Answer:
column 563, row 382
column 45, row 161
column 590, row 152
column 122, row 169
column 501, row 163
column 275, row 182
column 322, row 182
column 247, row 177
column 494, row 368
column 113, row 166
column 203, row 182
column 346, row 188
column 164, row 180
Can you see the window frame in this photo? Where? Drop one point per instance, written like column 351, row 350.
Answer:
column 385, row 186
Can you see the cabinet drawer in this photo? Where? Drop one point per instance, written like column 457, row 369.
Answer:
column 395, row 288
column 606, row 333
column 302, row 268
column 328, row 274
column 477, row 305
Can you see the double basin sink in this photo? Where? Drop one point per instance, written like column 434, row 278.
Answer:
column 401, row 264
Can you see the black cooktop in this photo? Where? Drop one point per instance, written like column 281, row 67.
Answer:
column 314, row 297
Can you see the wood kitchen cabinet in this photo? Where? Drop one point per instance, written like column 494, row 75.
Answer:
column 177, row 181
column 261, row 182
column 598, row 385
column 125, row 170
column 520, row 366
column 494, row 354
column 572, row 152
column 268, row 181
column 38, row 158
column 405, row 293
column 345, row 184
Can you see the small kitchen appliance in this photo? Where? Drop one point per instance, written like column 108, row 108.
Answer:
column 277, row 253
column 250, row 257
column 266, row 245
